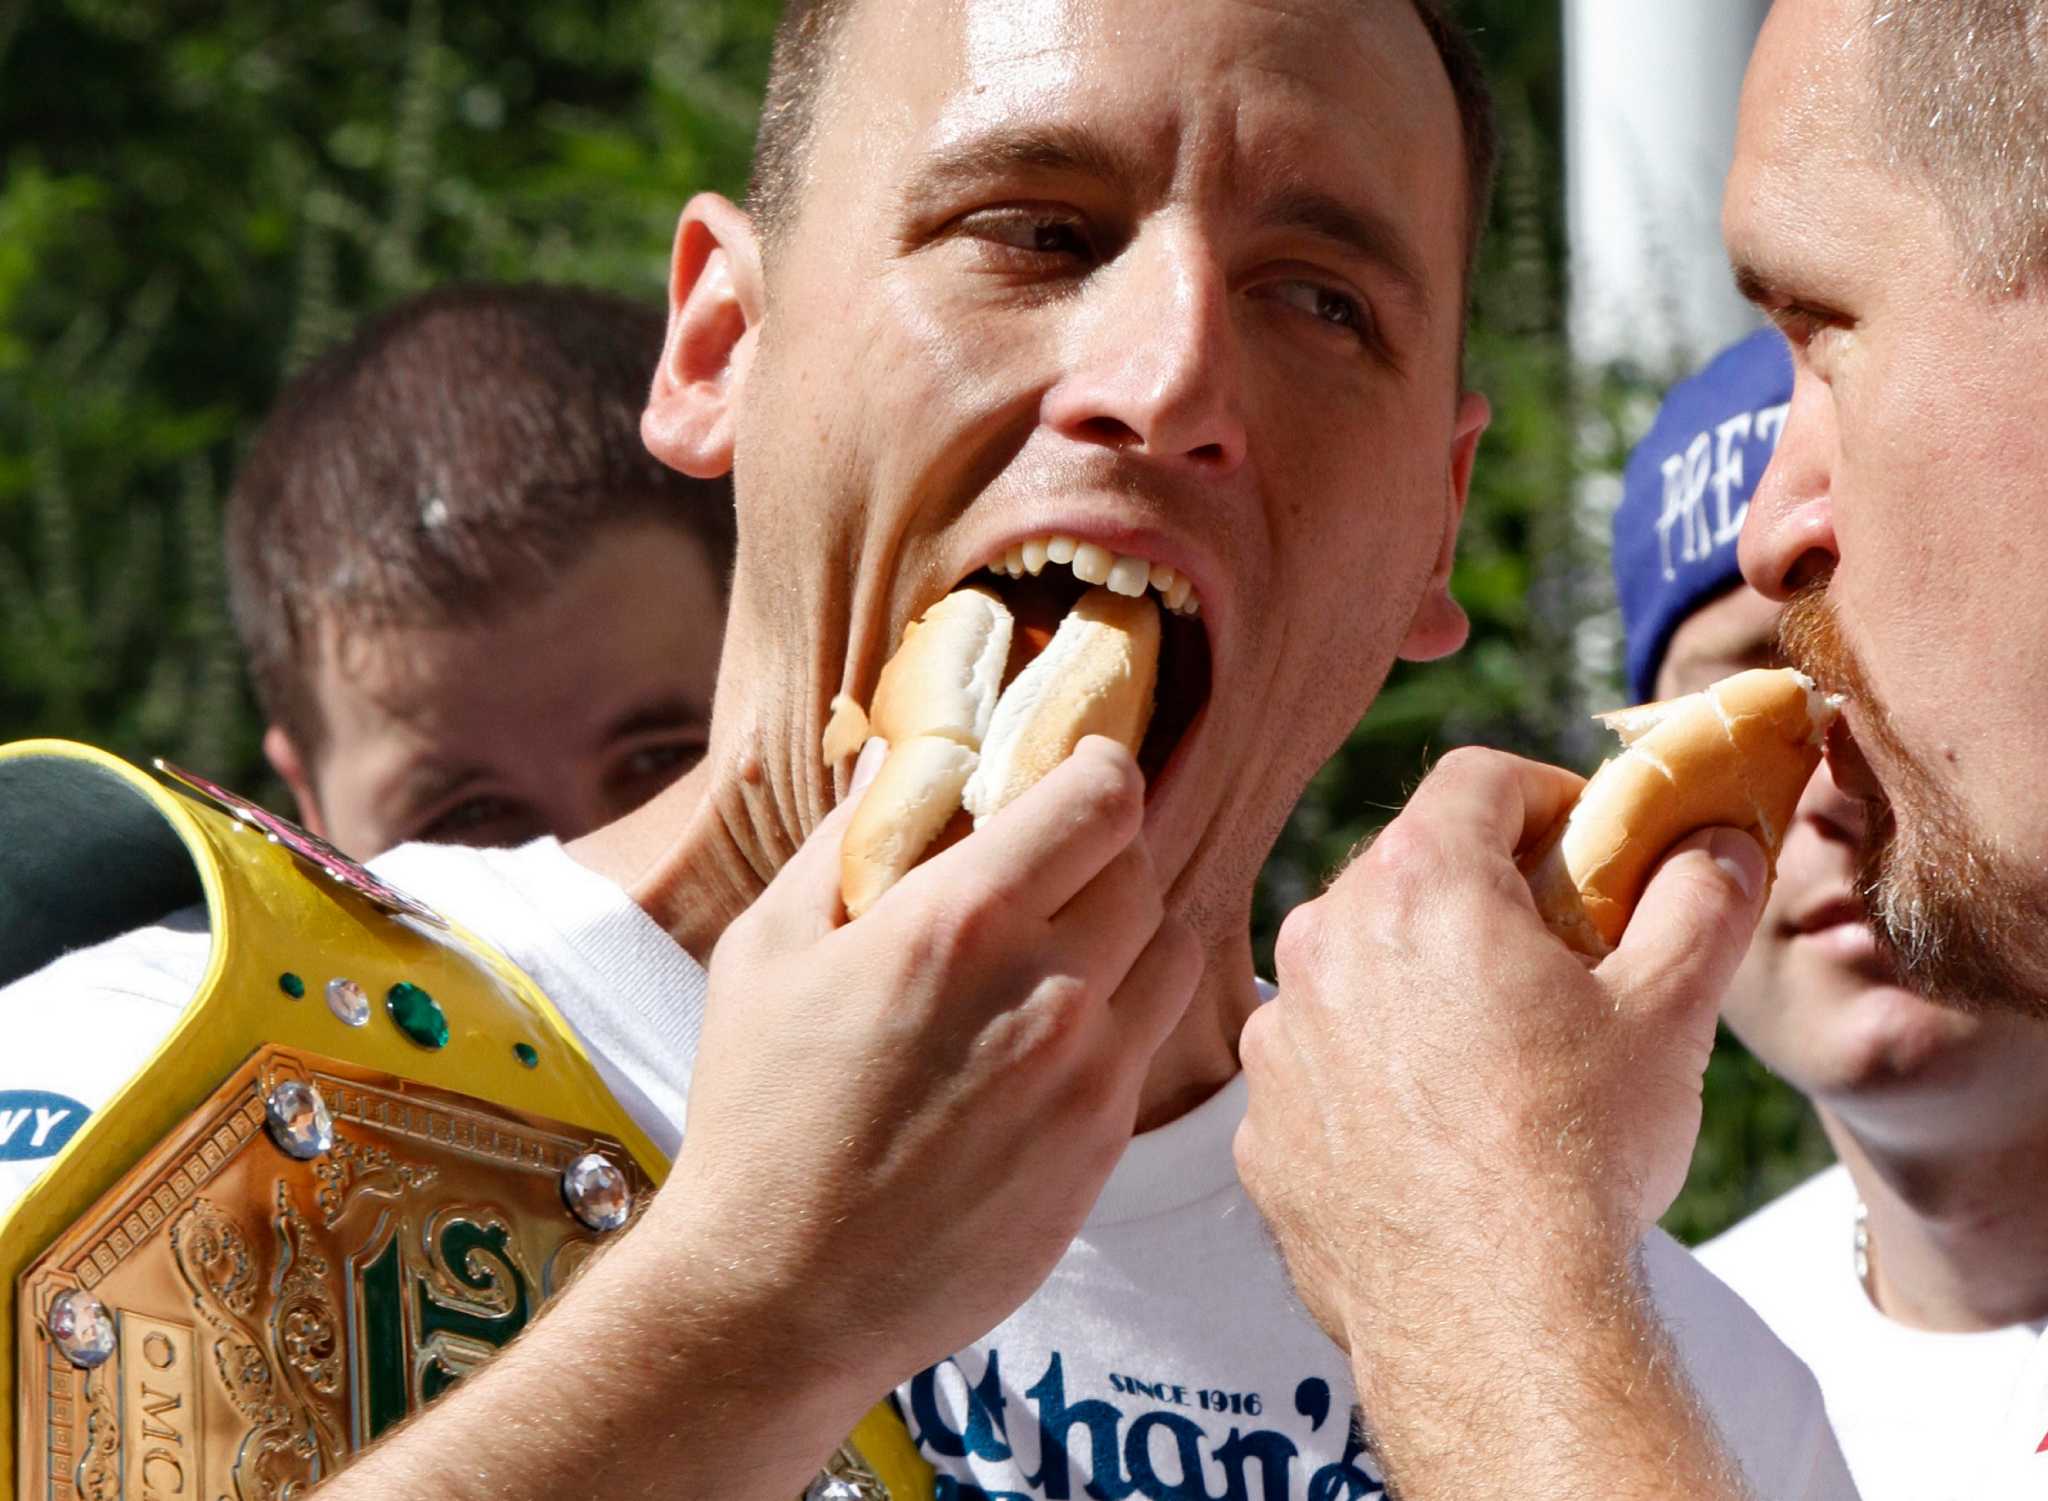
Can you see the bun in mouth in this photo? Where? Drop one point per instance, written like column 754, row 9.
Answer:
column 1095, row 677
column 1737, row 754
column 945, row 676
column 959, row 738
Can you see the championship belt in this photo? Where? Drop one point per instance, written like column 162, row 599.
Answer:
column 365, row 1156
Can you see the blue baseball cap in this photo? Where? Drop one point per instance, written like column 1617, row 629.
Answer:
column 1686, row 489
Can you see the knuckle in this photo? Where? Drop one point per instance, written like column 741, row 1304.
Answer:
column 955, row 931
column 1106, row 784
column 1301, row 940
column 1404, row 850
column 1052, row 1025
column 1467, row 762
column 1252, row 1044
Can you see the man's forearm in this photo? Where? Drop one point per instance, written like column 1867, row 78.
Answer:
column 1560, row 1388
column 648, row 1377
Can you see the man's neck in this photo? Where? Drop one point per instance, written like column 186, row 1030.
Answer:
column 1199, row 1057
column 1957, row 1242
column 701, row 853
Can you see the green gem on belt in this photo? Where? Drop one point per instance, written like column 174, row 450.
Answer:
column 419, row 1015
column 292, row 985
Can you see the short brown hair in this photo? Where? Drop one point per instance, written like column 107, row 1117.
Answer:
column 1960, row 89
column 809, row 31
column 457, row 454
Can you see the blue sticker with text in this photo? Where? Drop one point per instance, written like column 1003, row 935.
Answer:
column 35, row 1123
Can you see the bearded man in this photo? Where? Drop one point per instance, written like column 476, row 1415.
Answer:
column 1888, row 209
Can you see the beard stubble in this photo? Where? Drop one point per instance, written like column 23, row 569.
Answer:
column 1962, row 920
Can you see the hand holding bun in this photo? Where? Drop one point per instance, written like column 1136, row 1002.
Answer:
column 1737, row 754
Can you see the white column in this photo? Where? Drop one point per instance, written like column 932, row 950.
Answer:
column 1650, row 90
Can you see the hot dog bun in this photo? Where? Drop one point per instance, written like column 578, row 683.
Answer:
column 956, row 736
column 1095, row 677
column 1737, row 754
column 911, row 799
column 945, row 676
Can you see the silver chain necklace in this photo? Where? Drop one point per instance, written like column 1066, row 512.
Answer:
column 1859, row 1243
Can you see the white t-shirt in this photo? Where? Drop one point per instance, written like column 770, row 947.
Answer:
column 1919, row 1414
column 1164, row 1357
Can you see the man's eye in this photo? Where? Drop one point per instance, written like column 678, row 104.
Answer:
column 1325, row 304
column 1034, row 231
column 663, row 760
column 1801, row 324
column 469, row 821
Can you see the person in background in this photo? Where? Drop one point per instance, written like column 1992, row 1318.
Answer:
column 1905, row 1276
column 475, row 609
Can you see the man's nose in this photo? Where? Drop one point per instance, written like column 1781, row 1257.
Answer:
column 1152, row 367
column 1788, row 537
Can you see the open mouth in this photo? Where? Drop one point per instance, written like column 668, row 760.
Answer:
column 1041, row 580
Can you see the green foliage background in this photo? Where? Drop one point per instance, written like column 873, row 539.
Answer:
column 198, row 197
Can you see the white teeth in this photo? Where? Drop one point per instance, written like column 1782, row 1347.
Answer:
column 1129, row 576
column 1092, row 563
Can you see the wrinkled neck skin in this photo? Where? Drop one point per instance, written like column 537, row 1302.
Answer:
column 1957, row 1243
column 702, row 852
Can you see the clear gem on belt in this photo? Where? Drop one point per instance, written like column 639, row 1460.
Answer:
column 846, row 1477
column 81, row 1329
column 596, row 1192
column 348, row 1001
column 298, row 1120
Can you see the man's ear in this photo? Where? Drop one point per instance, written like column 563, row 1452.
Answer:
column 715, row 303
column 284, row 758
column 1440, row 625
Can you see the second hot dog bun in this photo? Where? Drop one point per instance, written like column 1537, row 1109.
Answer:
column 1737, row 754
column 1095, row 677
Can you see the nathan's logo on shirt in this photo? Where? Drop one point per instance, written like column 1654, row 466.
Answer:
column 35, row 1123
column 1164, row 1441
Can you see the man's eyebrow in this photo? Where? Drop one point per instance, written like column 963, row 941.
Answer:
column 1363, row 233
column 430, row 780
column 1754, row 285
column 1050, row 149
column 674, row 712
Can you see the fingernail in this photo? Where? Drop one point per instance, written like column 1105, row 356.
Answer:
column 872, row 755
column 1741, row 857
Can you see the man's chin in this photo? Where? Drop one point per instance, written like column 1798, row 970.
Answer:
column 1954, row 920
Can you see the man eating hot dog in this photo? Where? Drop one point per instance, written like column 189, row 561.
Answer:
column 1161, row 296
column 1905, row 1276
column 1888, row 209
